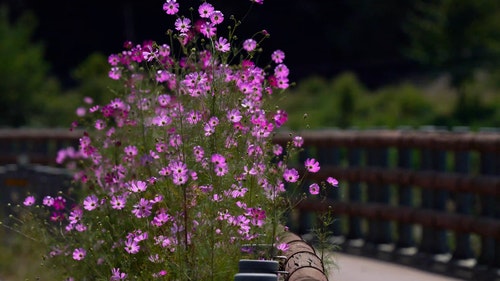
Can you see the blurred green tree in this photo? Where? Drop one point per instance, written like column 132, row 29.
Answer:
column 459, row 37
column 26, row 86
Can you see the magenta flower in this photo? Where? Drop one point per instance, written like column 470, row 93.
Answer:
column 291, row 175
column 137, row 186
column 332, row 181
column 298, row 141
column 79, row 254
column 277, row 149
column 117, row 275
column 312, row 165
column 314, row 189
column 278, row 56
column 183, row 24
column 143, row 208
column 118, row 202
column 234, row 116
column 59, row 203
column 283, row 247
column 90, row 202
column 218, row 160
column 171, row 7
column 205, row 10
column 216, row 17
column 75, row 216
column 281, row 71
column 132, row 246
column 208, row 29
column 222, row 45
column 30, row 200
column 249, row 45
column 100, row 124
column 48, row 201
column 280, row 117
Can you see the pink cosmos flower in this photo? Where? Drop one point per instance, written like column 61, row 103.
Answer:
column 59, row 203
column 161, row 218
column 282, row 82
column 115, row 73
column 281, row 71
column 142, row 209
column 205, row 10
column 332, row 181
column 314, row 189
column 277, row 149
column 208, row 29
column 90, row 202
column 164, row 100
column 218, row 160
column 81, row 111
column 283, row 247
column 194, row 117
column 198, row 153
column 79, row 254
column 183, row 24
column 117, row 275
column 130, row 150
column 75, row 216
column 291, row 175
column 30, row 200
column 298, row 141
column 113, row 59
column 48, row 201
column 222, row 45
column 137, row 186
column 132, row 246
column 209, row 130
column 164, row 50
column 278, row 56
column 249, row 45
column 160, row 273
column 234, row 115
column 118, row 202
column 100, row 124
column 216, row 17
column 312, row 165
column 171, row 7
column 221, row 170
column 280, row 117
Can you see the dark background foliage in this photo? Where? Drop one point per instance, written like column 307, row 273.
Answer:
column 54, row 53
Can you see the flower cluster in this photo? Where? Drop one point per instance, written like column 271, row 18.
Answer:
column 179, row 171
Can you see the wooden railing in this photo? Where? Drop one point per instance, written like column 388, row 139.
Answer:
column 424, row 198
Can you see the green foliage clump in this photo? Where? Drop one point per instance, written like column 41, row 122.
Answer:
column 345, row 102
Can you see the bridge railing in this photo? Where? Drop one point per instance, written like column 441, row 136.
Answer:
column 426, row 198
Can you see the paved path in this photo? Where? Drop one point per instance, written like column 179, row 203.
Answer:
column 355, row 268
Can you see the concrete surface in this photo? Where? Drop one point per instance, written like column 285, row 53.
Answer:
column 355, row 268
